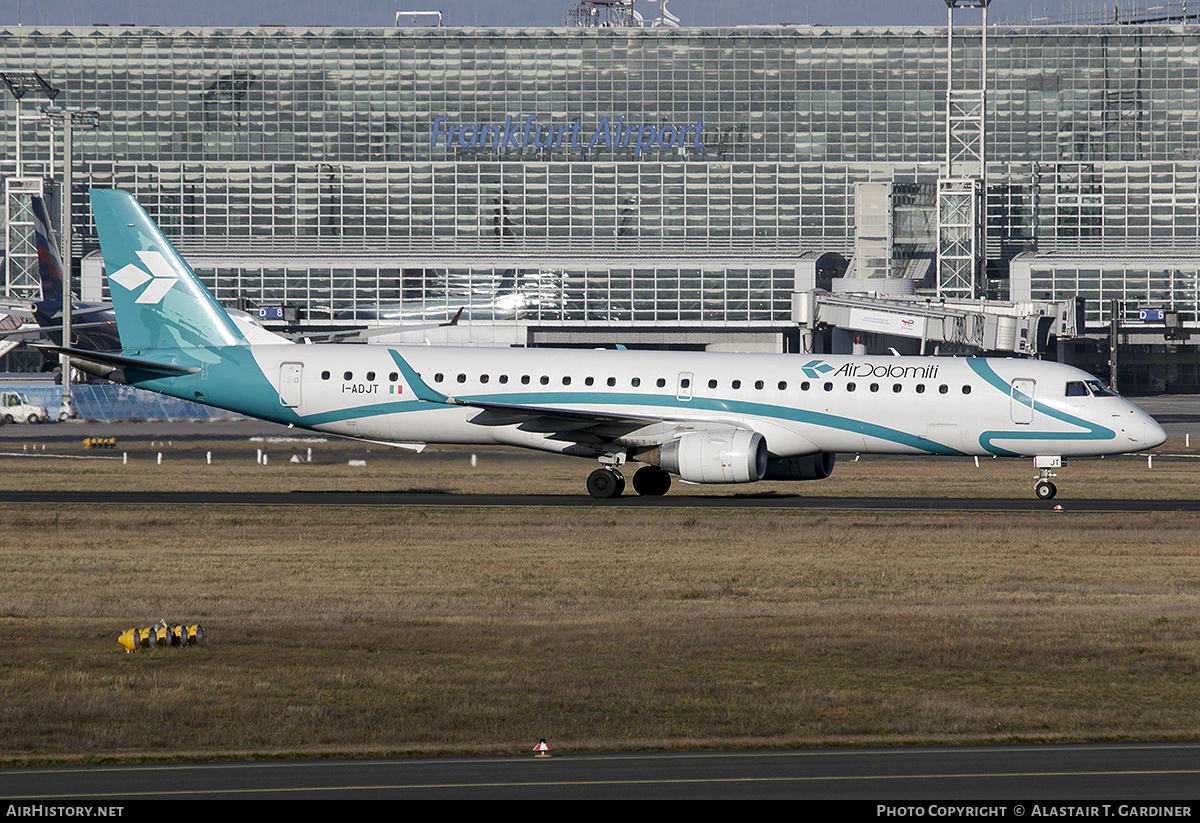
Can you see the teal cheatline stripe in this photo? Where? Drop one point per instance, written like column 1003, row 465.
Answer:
column 1090, row 431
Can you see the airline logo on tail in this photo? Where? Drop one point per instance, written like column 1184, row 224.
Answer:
column 160, row 277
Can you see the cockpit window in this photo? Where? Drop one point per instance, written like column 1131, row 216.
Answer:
column 1090, row 388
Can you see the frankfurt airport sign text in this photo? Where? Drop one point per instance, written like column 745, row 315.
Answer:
column 530, row 134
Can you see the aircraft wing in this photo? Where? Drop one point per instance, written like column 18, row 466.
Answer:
column 17, row 308
column 365, row 335
column 18, row 326
column 83, row 311
column 570, row 424
column 591, row 426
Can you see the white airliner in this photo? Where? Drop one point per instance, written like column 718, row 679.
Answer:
column 708, row 418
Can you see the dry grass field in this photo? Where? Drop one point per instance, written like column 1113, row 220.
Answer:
column 364, row 630
column 1175, row 474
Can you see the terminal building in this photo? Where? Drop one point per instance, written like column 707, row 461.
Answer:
column 767, row 188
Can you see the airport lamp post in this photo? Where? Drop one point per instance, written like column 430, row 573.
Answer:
column 69, row 118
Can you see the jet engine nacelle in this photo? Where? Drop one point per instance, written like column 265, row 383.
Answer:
column 806, row 467
column 716, row 457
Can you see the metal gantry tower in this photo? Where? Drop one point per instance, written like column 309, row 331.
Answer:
column 962, row 187
column 21, row 264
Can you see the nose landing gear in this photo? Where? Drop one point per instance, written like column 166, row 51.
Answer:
column 1043, row 488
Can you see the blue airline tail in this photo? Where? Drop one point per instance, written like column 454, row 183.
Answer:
column 159, row 301
column 49, row 263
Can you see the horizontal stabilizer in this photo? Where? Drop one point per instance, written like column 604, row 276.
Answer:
column 119, row 361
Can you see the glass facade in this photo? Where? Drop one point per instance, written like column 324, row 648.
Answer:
column 608, row 175
column 1148, row 282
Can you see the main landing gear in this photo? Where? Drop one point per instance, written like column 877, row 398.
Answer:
column 649, row 481
column 605, row 483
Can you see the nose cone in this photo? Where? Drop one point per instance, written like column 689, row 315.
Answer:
column 1153, row 434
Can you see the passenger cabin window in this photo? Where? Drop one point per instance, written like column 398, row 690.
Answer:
column 462, row 378
column 483, row 378
column 850, row 387
column 612, row 381
column 783, row 385
column 828, row 387
column 587, row 381
column 685, row 383
column 439, row 377
column 504, row 378
column 545, row 381
column 758, row 384
column 737, row 384
column 394, row 376
column 525, row 380
column 566, row 381
column 324, row 375
column 966, row 389
column 712, row 384
column 635, row 382
column 349, row 375
column 660, row 382
column 370, row 376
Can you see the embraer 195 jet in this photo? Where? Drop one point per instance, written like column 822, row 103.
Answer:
column 705, row 417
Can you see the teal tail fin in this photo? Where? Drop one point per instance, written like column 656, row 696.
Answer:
column 159, row 301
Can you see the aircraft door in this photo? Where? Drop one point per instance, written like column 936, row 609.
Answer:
column 290, row 382
column 683, row 388
column 1021, row 401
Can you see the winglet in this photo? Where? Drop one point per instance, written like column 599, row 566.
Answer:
column 419, row 387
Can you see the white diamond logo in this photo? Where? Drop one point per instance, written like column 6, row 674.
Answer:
column 160, row 276
column 130, row 277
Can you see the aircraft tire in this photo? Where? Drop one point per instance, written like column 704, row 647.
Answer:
column 1045, row 490
column 651, row 481
column 605, row 483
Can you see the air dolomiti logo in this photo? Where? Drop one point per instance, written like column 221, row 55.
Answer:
column 157, row 273
column 815, row 368
column 928, row 372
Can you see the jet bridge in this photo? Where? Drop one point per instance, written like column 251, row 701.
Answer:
column 983, row 325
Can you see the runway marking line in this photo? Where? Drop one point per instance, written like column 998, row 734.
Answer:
column 552, row 783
